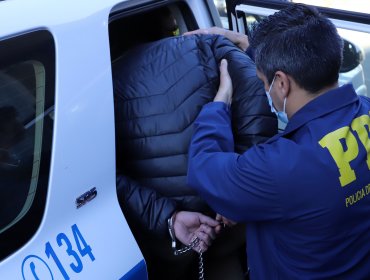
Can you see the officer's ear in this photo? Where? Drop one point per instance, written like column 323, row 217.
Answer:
column 283, row 84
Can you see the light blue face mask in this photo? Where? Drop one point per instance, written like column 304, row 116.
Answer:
column 281, row 115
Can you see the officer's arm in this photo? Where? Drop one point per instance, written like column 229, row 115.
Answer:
column 239, row 187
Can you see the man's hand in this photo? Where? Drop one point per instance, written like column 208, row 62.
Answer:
column 225, row 221
column 240, row 40
column 191, row 225
column 225, row 91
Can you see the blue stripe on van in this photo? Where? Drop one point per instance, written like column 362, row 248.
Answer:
column 138, row 272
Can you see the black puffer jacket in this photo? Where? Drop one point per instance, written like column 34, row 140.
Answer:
column 159, row 90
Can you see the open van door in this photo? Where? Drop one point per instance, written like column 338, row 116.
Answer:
column 352, row 21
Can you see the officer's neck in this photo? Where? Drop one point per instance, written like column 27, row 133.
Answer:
column 299, row 97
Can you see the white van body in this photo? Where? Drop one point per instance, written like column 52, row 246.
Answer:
column 83, row 145
column 94, row 240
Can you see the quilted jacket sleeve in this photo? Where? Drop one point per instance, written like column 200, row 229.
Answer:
column 144, row 208
column 252, row 120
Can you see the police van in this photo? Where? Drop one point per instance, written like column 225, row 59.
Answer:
column 59, row 213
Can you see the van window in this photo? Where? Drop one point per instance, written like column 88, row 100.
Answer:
column 359, row 6
column 352, row 26
column 26, row 126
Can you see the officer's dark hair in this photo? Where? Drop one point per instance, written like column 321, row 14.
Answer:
column 302, row 43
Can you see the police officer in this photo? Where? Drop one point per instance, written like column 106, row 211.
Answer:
column 305, row 193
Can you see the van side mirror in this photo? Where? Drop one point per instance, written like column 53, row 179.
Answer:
column 352, row 56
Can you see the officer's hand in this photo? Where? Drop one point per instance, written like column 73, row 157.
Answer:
column 191, row 225
column 240, row 40
column 225, row 222
column 225, row 91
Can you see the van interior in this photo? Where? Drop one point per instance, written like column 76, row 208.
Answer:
column 131, row 27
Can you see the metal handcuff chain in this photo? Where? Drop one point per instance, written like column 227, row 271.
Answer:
column 184, row 249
